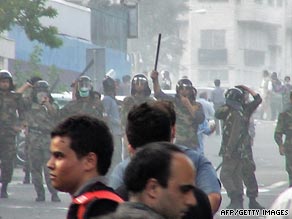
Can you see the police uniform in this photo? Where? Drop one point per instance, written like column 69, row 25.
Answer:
column 232, row 146
column 11, row 106
column 40, row 121
column 284, row 127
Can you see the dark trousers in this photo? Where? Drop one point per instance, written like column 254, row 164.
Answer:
column 288, row 157
column 7, row 157
column 248, row 174
column 231, row 176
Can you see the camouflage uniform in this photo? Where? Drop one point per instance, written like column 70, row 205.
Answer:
column 284, row 127
column 88, row 106
column 11, row 105
column 40, row 123
column 186, row 124
column 232, row 150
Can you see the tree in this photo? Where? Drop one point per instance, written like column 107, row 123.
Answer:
column 27, row 14
column 160, row 17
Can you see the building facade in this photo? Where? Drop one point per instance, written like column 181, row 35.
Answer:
column 235, row 40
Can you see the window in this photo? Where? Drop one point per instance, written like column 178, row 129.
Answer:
column 254, row 57
column 213, row 39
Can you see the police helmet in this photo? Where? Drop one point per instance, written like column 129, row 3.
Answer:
column 84, row 86
column 4, row 74
column 184, row 83
column 140, row 79
column 42, row 86
column 234, row 97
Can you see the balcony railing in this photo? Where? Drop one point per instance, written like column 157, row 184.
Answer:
column 249, row 11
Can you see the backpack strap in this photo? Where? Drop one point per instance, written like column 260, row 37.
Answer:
column 85, row 198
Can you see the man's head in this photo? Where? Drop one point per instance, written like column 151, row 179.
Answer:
column 84, row 86
column 287, row 79
column 140, row 85
column 147, row 123
column 126, row 79
column 217, row 82
column 274, row 76
column 109, row 86
column 266, row 73
column 81, row 148
column 6, row 82
column 161, row 176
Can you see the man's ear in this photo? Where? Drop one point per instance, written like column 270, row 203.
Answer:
column 90, row 161
column 131, row 150
column 152, row 188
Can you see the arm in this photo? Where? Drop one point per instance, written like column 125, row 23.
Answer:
column 23, row 88
column 279, row 132
column 156, row 85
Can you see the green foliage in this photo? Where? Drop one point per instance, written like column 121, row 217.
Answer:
column 34, row 69
column 160, row 17
column 27, row 14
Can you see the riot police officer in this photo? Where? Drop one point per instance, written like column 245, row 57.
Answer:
column 11, row 117
column 85, row 102
column 189, row 113
column 41, row 117
column 232, row 145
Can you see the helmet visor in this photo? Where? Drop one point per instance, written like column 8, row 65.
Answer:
column 141, row 81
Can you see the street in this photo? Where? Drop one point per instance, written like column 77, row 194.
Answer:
column 271, row 176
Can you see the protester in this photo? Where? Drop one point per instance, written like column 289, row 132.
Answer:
column 81, row 152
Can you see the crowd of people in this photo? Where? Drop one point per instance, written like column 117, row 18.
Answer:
column 138, row 156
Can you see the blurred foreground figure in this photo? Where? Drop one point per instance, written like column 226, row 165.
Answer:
column 160, row 182
column 283, row 202
column 284, row 127
column 81, row 152
column 11, row 117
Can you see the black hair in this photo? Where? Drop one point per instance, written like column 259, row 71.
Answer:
column 151, row 161
column 147, row 123
column 88, row 134
column 168, row 106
